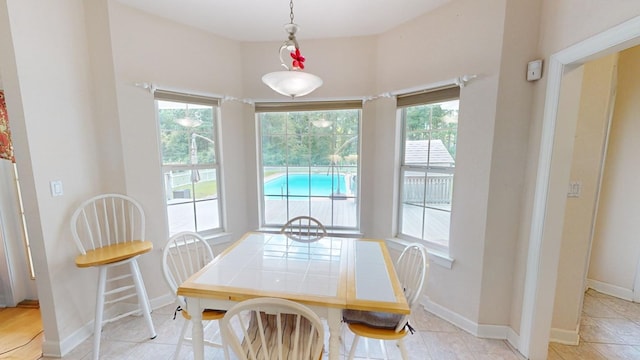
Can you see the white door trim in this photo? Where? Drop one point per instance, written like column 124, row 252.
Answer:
column 544, row 243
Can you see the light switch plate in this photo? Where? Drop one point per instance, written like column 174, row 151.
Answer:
column 56, row 188
column 575, row 188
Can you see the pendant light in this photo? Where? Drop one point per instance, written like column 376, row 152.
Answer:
column 293, row 82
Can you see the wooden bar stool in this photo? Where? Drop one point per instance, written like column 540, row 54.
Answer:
column 109, row 232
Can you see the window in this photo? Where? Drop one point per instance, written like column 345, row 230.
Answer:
column 430, row 132
column 309, row 160
column 190, row 164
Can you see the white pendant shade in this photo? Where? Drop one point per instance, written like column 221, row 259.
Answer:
column 189, row 122
column 292, row 83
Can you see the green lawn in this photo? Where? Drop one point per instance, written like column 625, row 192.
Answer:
column 202, row 188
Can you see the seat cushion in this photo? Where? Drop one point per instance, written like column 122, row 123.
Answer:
column 207, row 314
column 375, row 319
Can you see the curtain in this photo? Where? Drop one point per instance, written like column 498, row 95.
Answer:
column 6, row 147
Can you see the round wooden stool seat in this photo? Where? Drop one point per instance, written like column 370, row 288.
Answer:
column 114, row 253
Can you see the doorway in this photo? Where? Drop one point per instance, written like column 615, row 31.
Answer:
column 615, row 256
column 17, row 278
column 556, row 147
column 599, row 247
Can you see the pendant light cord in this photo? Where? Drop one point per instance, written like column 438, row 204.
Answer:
column 291, row 13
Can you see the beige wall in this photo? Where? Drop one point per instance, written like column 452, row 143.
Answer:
column 175, row 57
column 477, row 116
column 513, row 116
column 46, row 74
column 616, row 249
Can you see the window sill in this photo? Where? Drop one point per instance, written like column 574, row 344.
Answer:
column 435, row 256
column 333, row 233
column 219, row 238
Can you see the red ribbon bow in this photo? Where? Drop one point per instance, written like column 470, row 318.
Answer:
column 298, row 60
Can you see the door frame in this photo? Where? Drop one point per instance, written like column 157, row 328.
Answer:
column 546, row 227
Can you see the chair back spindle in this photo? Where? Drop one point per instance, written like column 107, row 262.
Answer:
column 412, row 268
column 304, row 229
column 271, row 328
column 184, row 254
column 107, row 220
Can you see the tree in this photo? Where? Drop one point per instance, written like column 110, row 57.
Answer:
column 175, row 139
column 291, row 139
column 426, row 122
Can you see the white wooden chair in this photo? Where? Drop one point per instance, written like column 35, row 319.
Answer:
column 304, row 229
column 271, row 328
column 184, row 254
column 109, row 232
column 412, row 268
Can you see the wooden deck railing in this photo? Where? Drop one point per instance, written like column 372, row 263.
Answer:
column 438, row 189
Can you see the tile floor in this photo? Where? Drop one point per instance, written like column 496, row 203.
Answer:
column 434, row 339
column 609, row 329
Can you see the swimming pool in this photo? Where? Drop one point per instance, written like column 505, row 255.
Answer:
column 321, row 185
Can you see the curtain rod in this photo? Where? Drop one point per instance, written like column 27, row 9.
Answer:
column 460, row 81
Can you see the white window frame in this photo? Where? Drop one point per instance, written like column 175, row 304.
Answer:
column 164, row 95
column 427, row 97
column 298, row 107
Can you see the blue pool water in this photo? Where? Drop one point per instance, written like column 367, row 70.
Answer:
column 321, row 185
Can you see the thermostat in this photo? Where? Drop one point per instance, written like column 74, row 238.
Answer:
column 534, row 70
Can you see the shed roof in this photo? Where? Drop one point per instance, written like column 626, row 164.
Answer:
column 416, row 152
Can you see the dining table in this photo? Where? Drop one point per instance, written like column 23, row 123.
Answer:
column 327, row 275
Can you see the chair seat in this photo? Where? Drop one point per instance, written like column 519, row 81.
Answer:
column 207, row 314
column 411, row 267
column 113, row 253
column 376, row 333
column 381, row 320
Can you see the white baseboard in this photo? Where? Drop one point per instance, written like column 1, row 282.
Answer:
column 500, row 332
column 59, row 349
column 484, row 331
column 450, row 316
column 161, row 301
column 513, row 339
column 608, row 289
column 566, row 337
column 66, row 345
column 493, row 331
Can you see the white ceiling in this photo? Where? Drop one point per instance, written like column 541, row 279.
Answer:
column 263, row 20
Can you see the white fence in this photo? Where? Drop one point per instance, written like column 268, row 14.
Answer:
column 174, row 180
column 438, row 189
